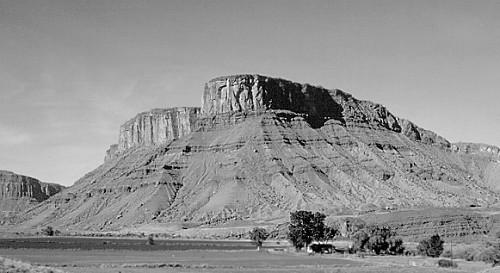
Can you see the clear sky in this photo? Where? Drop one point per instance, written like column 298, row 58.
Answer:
column 72, row 71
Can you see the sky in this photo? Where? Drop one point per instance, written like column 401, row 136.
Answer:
column 71, row 72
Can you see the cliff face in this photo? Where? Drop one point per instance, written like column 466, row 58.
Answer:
column 157, row 126
column 246, row 93
column 262, row 147
column 18, row 191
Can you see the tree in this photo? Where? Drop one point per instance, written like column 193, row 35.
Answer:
column 301, row 228
column 258, row 236
column 360, row 239
column 48, row 231
column 396, row 246
column 379, row 239
column 330, row 232
column 432, row 247
column 318, row 226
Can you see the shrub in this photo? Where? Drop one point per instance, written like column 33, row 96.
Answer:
column 151, row 240
column 258, row 236
column 48, row 231
column 446, row 263
column 432, row 247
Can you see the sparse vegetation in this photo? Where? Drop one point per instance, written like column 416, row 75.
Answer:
column 432, row 247
column 258, row 236
column 12, row 266
column 48, row 231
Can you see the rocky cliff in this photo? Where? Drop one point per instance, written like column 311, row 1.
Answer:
column 261, row 147
column 158, row 126
column 17, row 192
column 247, row 93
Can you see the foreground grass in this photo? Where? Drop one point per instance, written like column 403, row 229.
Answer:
column 12, row 266
column 212, row 261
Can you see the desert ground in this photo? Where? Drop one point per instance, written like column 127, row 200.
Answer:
column 204, row 256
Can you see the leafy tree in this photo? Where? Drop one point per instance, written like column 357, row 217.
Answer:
column 330, row 232
column 360, row 239
column 258, row 236
column 396, row 246
column 379, row 239
column 318, row 226
column 48, row 231
column 301, row 228
column 432, row 247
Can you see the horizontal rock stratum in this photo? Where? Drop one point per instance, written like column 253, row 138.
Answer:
column 260, row 147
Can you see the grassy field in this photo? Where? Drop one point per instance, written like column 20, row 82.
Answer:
column 90, row 243
column 107, row 255
column 133, row 261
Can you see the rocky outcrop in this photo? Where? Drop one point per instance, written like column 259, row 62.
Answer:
column 111, row 153
column 157, row 126
column 19, row 191
column 260, row 148
column 476, row 148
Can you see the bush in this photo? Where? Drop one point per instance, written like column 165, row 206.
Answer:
column 446, row 263
column 432, row 247
column 48, row 231
column 151, row 240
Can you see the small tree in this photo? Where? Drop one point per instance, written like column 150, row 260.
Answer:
column 258, row 236
column 48, row 231
column 432, row 247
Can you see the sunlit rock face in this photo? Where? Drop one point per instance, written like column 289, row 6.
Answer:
column 157, row 126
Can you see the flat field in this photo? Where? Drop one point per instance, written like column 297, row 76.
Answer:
column 212, row 260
